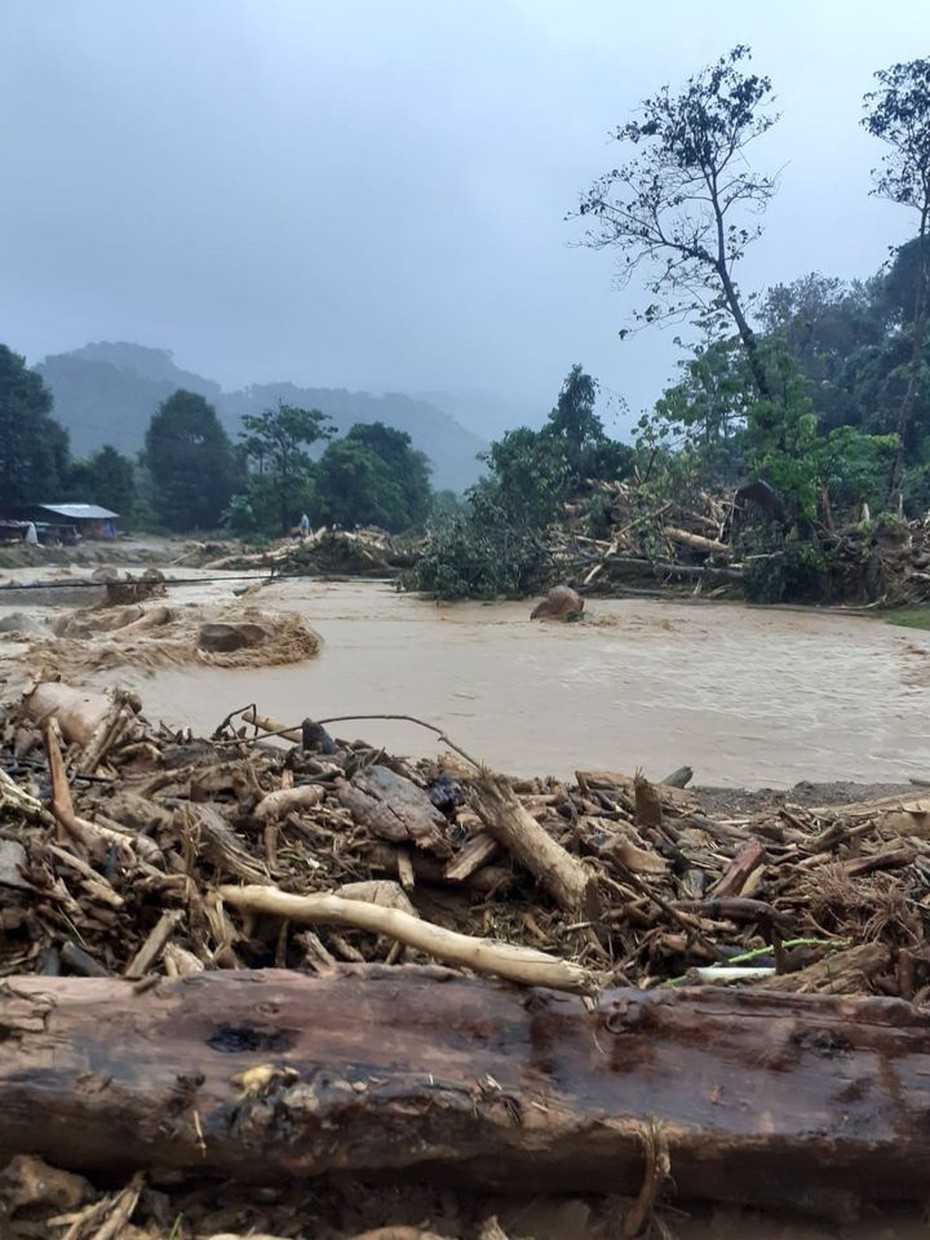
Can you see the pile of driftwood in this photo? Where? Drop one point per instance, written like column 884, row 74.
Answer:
column 886, row 562
column 273, row 954
column 719, row 545
column 676, row 540
column 326, row 551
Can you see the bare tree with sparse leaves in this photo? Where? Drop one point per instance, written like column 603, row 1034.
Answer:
column 684, row 205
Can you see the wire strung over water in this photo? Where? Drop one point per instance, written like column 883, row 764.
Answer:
column 58, row 584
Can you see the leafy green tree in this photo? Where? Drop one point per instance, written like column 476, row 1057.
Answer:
column 685, row 206
column 898, row 114
column 529, row 473
column 275, row 443
column 190, row 461
column 573, row 421
column 821, row 321
column 409, row 469
column 483, row 553
column 781, row 440
column 704, row 414
column 356, row 487
column 499, row 544
column 34, row 456
column 853, row 348
column 854, row 469
column 106, row 478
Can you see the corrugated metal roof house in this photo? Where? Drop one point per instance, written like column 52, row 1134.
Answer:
column 68, row 522
column 79, row 512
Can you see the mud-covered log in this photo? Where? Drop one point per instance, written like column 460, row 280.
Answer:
column 415, row 1072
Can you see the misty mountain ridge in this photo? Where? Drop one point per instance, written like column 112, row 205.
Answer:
column 107, row 393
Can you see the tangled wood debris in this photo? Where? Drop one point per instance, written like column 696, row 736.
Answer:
column 647, row 538
column 326, row 551
column 274, row 953
column 720, row 545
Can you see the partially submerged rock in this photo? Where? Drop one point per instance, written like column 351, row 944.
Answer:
column 19, row 622
column 226, row 638
column 561, row 603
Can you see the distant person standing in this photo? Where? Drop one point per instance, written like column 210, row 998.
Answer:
column 31, row 535
column 304, row 526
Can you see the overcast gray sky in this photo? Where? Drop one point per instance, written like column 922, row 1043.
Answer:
column 371, row 193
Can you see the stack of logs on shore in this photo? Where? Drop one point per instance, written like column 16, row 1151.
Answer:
column 274, row 954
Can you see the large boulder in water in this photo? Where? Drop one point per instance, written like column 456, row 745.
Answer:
column 561, row 603
column 227, row 638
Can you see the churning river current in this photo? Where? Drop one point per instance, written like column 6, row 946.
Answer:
column 746, row 696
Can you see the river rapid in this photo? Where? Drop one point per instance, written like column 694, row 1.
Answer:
column 748, row 697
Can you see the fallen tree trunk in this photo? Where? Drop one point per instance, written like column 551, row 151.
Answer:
column 665, row 568
column 761, row 1098
column 697, row 541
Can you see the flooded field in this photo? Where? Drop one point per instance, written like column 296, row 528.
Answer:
column 747, row 697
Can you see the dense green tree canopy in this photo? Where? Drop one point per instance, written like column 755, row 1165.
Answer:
column 705, row 413
column 409, row 468
column 34, row 457
column 852, row 344
column 106, row 478
column 190, row 460
column 355, row 487
column 374, row 477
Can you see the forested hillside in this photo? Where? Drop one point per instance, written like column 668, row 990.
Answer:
column 107, row 393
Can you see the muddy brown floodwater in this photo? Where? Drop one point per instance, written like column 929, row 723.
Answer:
column 747, row 697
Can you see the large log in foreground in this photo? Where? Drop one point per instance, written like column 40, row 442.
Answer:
column 767, row 1099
